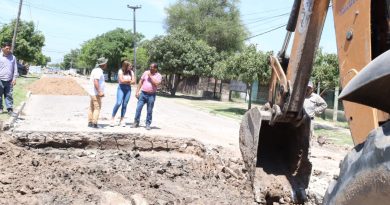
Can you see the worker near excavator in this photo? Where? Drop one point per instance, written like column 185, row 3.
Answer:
column 314, row 104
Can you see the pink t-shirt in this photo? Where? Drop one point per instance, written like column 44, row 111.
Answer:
column 147, row 85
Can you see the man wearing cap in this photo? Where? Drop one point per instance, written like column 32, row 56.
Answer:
column 146, row 93
column 96, row 92
column 8, row 74
column 313, row 104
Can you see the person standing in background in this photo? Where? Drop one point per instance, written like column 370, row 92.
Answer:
column 96, row 92
column 146, row 93
column 125, row 79
column 314, row 104
column 8, row 75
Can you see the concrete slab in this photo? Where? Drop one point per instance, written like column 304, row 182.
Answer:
column 69, row 114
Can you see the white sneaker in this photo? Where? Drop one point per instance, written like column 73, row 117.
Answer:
column 112, row 124
column 122, row 124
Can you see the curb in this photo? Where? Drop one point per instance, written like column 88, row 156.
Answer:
column 11, row 121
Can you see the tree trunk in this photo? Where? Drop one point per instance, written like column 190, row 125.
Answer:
column 208, row 84
column 215, row 87
column 109, row 75
column 220, row 87
column 169, row 86
column 250, row 96
column 318, row 88
column 165, row 85
column 176, row 81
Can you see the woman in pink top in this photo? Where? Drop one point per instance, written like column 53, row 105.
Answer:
column 146, row 93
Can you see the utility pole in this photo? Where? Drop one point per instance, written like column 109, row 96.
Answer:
column 134, row 39
column 16, row 26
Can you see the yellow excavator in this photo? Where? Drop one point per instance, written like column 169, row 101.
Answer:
column 275, row 138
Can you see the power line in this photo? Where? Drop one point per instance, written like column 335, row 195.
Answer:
column 267, row 18
column 53, row 51
column 84, row 15
column 263, row 12
column 59, row 37
column 267, row 22
column 265, row 32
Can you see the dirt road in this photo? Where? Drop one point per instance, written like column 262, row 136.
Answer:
column 189, row 157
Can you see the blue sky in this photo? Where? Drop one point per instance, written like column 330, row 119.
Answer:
column 65, row 29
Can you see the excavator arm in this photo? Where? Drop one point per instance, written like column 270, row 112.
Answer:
column 274, row 139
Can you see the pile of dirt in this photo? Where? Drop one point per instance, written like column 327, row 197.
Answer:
column 78, row 176
column 56, row 86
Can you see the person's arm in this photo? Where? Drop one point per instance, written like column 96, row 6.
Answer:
column 122, row 80
column 141, row 81
column 15, row 74
column 155, row 80
column 133, row 78
column 97, row 87
column 320, row 105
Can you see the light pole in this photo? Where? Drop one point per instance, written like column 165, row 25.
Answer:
column 16, row 26
column 134, row 37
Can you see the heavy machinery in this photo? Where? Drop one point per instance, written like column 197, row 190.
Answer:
column 274, row 139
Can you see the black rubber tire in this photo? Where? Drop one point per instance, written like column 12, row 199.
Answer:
column 364, row 173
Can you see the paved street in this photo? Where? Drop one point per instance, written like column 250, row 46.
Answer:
column 69, row 113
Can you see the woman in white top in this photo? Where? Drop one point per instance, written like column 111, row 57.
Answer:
column 125, row 79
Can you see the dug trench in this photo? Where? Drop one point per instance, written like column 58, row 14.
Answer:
column 111, row 168
column 104, row 168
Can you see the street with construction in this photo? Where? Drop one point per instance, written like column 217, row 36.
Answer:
column 244, row 102
column 189, row 156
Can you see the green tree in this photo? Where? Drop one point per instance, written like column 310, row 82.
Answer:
column 71, row 60
column 142, row 57
column 215, row 21
column 326, row 70
column 41, row 59
column 180, row 55
column 114, row 45
column 29, row 42
column 249, row 66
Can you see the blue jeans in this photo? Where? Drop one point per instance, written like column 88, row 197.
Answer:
column 6, row 89
column 149, row 100
column 122, row 98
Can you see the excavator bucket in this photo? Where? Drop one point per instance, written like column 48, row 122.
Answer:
column 276, row 157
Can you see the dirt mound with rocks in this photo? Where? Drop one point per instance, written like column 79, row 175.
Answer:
column 56, row 86
column 95, row 176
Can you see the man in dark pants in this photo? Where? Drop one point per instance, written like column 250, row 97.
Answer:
column 8, row 75
column 146, row 93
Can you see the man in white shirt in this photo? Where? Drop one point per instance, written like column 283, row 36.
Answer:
column 96, row 92
column 314, row 104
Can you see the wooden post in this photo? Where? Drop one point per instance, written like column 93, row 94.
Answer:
column 336, row 103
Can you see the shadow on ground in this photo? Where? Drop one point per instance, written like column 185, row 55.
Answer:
column 233, row 110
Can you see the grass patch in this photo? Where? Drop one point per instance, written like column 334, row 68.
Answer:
column 335, row 136
column 336, row 124
column 19, row 93
column 233, row 110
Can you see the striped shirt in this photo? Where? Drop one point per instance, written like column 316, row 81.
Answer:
column 8, row 67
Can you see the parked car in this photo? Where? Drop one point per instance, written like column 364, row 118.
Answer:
column 22, row 69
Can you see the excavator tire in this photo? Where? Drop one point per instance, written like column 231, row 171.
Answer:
column 364, row 173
